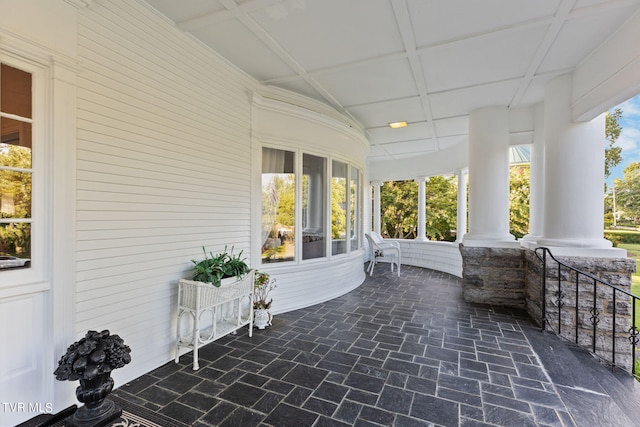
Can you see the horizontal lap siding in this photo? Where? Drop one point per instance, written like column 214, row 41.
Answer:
column 163, row 168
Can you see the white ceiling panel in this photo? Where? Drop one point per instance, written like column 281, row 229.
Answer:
column 461, row 102
column 422, row 146
column 244, row 49
column 452, row 126
column 382, row 113
column 177, row 11
column 476, row 61
column 566, row 53
column 413, row 131
column 352, row 35
column 435, row 21
column 370, row 83
column 427, row 62
column 450, row 141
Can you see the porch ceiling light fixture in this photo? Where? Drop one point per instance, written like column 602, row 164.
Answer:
column 396, row 125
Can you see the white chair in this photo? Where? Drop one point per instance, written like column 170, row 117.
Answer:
column 381, row 250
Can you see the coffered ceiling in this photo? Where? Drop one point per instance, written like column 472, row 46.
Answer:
column 426, row 62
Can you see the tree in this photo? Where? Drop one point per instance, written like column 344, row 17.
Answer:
column 15, row 200
column 612, row 154
column 628, row 192
column 399, row 205
column 519, row 200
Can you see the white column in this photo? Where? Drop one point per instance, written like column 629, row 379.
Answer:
column 422, row 207
column 574, row 173
column 536, row 184
column 376, row 205
column 462, row 205
column 489, row 179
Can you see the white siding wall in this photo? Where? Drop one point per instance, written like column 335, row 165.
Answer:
column 163, row 168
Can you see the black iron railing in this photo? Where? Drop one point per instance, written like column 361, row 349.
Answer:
column 583, row 297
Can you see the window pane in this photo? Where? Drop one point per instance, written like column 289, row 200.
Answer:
column 15, row 245
column 313, row 206
column 338, row 207
column 16, row 133
column 15, row 87
column 15, row 194
column 15, row 156
column 278, row 205
column 354, row 208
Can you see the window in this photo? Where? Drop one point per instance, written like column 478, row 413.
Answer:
column 354, row 208
column 15, row 167
column 313, row 206
column 338, row 207
column 278, row 205
column 300, row 203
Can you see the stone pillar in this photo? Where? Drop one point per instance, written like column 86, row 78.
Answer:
column 462, row 205
column 574, row 173
column 422, row 207
column 536, row 184
column 376, row 205
column 489, row 179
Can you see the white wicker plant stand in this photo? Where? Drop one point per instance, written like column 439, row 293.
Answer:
column 222, row 305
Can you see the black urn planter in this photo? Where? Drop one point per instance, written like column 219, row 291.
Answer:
column 91, row 361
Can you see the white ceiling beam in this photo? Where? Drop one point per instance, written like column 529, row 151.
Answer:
column 403, row 22
column 552, row 32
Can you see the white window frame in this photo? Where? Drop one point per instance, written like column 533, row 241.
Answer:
column 35, row 278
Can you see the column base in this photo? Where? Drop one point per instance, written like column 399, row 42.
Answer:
column 490, row 240
column 578, row 247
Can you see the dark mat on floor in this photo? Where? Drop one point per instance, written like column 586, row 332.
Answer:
column 132, row 416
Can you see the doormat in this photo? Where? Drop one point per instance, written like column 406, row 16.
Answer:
column 132, row 416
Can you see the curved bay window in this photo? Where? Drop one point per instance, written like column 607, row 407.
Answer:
column 293, row 215
column 15, row 168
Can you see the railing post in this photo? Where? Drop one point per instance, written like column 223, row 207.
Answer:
column 544, row 290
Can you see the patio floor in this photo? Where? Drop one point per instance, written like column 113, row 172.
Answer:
column 402, row 351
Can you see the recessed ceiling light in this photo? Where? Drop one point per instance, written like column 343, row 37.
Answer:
column 396, row 125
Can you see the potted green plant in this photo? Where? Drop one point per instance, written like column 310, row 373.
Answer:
column 263, row 284
column 217, row 267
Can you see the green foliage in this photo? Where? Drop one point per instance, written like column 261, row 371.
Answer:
column 263, row 284
column 613, row 154
column 399, row 206
column 15, row 238
column 519, row 200
column 213, row 270
column 442, row 207
column 620, row 237
column 628, row 194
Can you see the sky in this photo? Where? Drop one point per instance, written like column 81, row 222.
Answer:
column 629, row 139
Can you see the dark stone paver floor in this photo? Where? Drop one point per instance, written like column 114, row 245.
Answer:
column 402, row 351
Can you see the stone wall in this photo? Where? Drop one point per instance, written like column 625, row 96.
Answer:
column 512, row 277
column 493, row 276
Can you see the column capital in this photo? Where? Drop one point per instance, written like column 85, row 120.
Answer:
column 421, row 179
column 376, row 183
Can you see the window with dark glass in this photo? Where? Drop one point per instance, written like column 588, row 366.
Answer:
column 15, row 168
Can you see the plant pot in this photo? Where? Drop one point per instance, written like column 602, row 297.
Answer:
column 97, row 410
column 262, row 318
